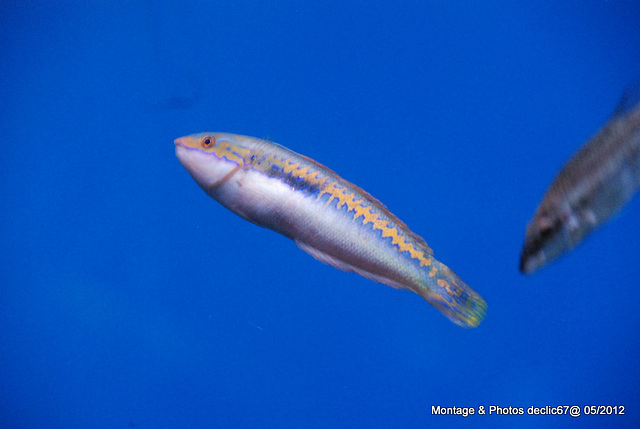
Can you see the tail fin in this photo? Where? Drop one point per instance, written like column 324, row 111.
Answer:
column 447, row 292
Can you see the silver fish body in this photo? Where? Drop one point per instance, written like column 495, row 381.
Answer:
column 331, row 219
column 592, row 187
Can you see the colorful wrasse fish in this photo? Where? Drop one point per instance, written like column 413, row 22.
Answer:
column 331, row 219
column 593, row 186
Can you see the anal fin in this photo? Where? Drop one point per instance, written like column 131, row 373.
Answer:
column 345, row 266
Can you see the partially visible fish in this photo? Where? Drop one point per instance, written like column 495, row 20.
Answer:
column 331, row 219
column 593, row 186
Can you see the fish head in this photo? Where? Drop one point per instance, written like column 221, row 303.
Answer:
column 553, row 231
column 211, row 158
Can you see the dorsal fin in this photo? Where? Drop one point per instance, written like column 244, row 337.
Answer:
column 630, row 99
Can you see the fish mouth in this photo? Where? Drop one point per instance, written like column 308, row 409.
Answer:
column 181, row 150
column 532, row 256
column 530, row 262
column 181, row 146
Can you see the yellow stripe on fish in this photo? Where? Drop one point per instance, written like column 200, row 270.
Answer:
column 328, row 217
column 362, row 207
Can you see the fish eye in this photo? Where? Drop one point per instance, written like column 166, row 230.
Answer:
column 546, row 233
column 207, row 142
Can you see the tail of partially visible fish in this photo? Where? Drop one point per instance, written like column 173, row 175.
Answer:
column 450, row 294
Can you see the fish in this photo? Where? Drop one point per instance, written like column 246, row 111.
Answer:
column 328, row 217
column 591, row 188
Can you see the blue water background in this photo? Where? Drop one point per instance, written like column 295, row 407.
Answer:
column 130, row 299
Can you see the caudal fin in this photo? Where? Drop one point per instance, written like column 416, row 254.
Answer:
column 448, row 293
